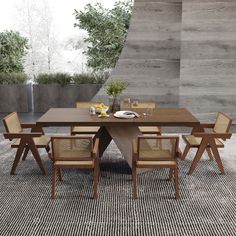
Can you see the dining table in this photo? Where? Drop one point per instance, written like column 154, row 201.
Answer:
column 121, row 131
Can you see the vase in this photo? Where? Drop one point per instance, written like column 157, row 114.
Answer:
column 114, row 104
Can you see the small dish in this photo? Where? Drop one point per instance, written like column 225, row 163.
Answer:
column 100, row 116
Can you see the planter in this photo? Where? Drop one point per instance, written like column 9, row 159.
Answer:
column 48, row 96
column 15, row 97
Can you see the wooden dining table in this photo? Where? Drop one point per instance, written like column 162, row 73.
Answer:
column 122, row 131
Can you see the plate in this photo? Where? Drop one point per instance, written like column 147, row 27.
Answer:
column 122, row 115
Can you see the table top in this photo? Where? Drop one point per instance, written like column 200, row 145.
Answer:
column 81, row 117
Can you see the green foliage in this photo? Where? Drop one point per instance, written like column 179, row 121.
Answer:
column 84, row 78
column 65, row 79
column 53, row 78
column 13, row 78
column 12, row 49
column 115, row 88
column 88, row 78
column 107, row 30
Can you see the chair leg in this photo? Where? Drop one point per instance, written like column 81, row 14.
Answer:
column 176, row 183
column 186, row 150
column 17, row 156
column 210, row 154
column 198, row 155
column 217, row 157
column 54, row 179
column 170, row 174
column 59, row 174
column 36, row 155
column 95, row 180
column 47, row 148
column 25, row 153
column 134, row 181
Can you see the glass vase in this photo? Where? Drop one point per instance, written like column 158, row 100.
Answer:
column 114, row 104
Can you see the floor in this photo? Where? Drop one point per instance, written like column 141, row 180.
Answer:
column 207, row 205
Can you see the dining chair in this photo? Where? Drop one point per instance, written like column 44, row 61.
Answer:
column 85, row 129
column 147, row 129
column 75, row 152
column 25, row 141
column 209, row 141
column 155, row 152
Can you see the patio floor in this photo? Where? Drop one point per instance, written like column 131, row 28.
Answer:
column 207, row 205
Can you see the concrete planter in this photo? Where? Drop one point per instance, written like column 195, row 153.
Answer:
column 47, row 96
column 15, row 97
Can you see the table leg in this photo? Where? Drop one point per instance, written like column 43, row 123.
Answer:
column 104, row 140
column 198, row 155
column 123, row 137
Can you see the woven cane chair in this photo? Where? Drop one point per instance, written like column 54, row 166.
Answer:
column 155, row 152
column 209, row 141
column 75, row 152
column 85, row 129
column 147, row 129
column 25, row 141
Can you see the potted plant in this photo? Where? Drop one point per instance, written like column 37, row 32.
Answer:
column 114, row 89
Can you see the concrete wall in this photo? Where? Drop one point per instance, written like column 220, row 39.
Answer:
column 208, row 56
column 14, row 98
column 47, row 96
column 181, row 53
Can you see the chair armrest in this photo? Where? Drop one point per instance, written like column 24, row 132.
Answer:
column 28, row 125
column 96, row 148
column 213, row 135
column 33, row 126
column 21, row 135
column 202, row 127
column 207, row 125
column 134, row 149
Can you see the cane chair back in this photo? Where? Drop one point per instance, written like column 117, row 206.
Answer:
column 72, row 148
column 157, row 148
column 144, row 105
column 147, row 129
column 222, row 124
column 85, row 129
column 12, row 123
column 86, row 104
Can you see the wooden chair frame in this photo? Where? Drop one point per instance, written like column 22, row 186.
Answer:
column 26, row 143
column 173, row 168
column 153, row 105
column 83, row 132
column 207, row 143
column 94, row 156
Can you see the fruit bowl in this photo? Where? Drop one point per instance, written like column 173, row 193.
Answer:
column 101, row 107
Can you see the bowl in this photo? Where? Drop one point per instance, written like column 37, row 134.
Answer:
column 102, row 109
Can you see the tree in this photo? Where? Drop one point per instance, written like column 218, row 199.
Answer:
column 35, row 20
column 12, row 50
column 107, row 30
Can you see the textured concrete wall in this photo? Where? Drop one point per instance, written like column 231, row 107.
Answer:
column 208, row 56
column 47, row 96
column 181, row 53
column 14, row 98
column 150, row 60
